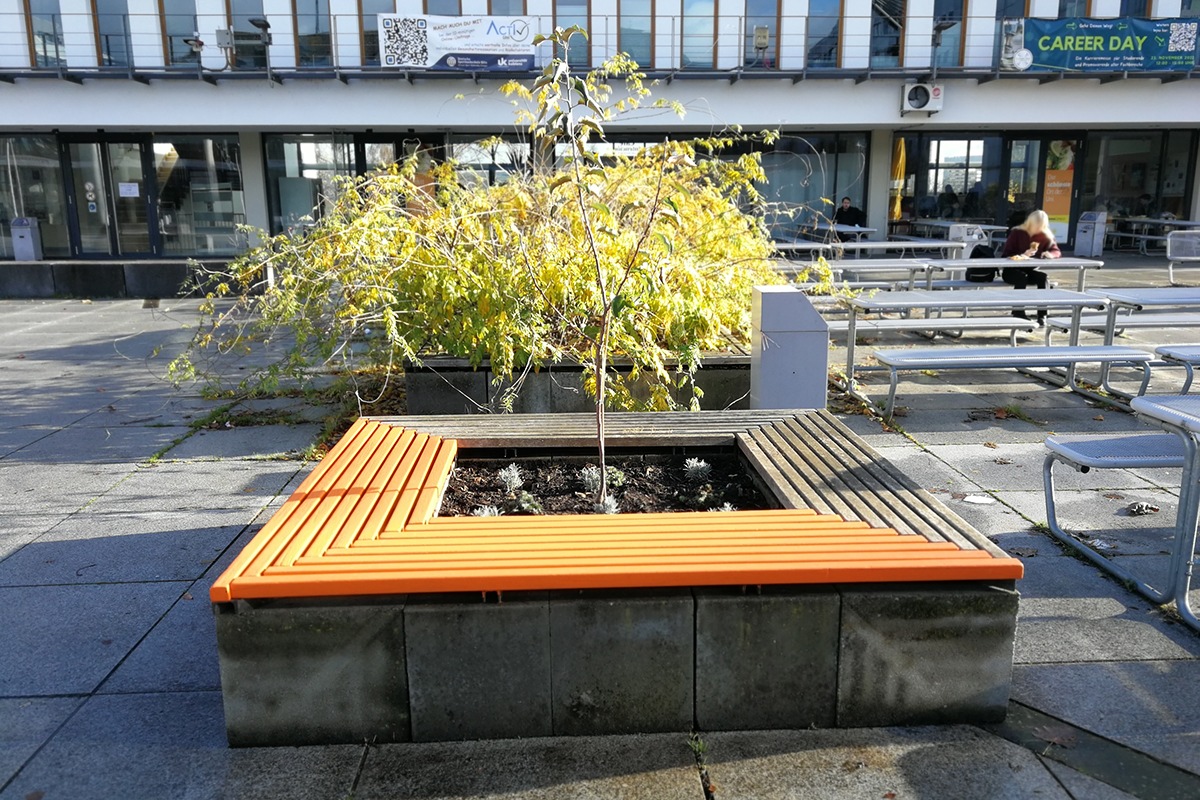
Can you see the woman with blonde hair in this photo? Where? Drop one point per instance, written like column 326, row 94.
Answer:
column 1030, row 240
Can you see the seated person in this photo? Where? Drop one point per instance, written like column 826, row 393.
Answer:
column 1029, row 240
column 948, row 204
column 847, row 214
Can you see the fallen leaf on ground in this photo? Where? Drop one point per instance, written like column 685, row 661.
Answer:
column 1060, row 735
column 1000, row 413
column 1114, row 496
column 958, row 495
column 992, row 445
column 1099, row 418
column 1024, row 552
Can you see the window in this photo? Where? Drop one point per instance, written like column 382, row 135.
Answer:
column 801, row 170
column 314, row 45
column 112, row 33
column 178, row 25
column 887, row 31
column 1010, row 29
column 1072, row 8
column 762, row 33
column 699, row 47
column 370, row 10
column 566, row 14
column 508, row 8
column 636, row 28
column 45, row 34
column 1135, row 8
column 31, row 182
column 948, row 49
column 958, row 179
column 302, row 172
column 200, row 194
column 1190, row 8
column 250, row 49
column 443, row 8
column 824, row 17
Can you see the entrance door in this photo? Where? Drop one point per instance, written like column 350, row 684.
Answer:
column 112, row 198
column 1042, row 175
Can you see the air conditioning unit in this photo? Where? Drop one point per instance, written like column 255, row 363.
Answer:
column 921, row 97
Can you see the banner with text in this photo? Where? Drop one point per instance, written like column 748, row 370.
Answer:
column 468, row 44
column 1124, row 44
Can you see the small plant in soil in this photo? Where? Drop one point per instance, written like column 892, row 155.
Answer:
column 524, row 503
column 511, row 478
column 608, row 506
column 697, row 469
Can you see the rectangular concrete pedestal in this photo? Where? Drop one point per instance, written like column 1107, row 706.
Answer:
column 444, row 667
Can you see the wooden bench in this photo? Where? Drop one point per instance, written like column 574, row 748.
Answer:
column 1022, row 358
column 355, row 584
column 1086, row 452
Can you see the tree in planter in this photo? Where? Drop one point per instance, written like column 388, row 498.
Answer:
column 648, row 258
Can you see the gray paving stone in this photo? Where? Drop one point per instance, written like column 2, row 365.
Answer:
column 172, row 745
column 478, row 670
column 648, row 767
column 25, row 725
column 66, row 486
column 943, row 762
column 1010, row 465
column 1150, row 705
column 178, row 654
column 66, row 639
column 623, row 662
column 766, row 661
column 250, row 442
column 1083, row 786
column 99, row 547
column 203, row 485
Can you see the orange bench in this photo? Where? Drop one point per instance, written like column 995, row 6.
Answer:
column 363, row 523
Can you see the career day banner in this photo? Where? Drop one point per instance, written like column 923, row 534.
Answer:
column 1098, row 45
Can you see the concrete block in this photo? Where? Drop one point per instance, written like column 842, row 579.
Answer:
column 925, row 654
column 725, row 385
column 623, row 661
column 478, row 670
column 156, row 280
column 766, row 661
column 450, row 391
column 89, row 280
column 26, row 280
column 297, row 674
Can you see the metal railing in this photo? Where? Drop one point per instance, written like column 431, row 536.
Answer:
column 148, row 44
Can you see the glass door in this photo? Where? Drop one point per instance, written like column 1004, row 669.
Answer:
column 111, row 197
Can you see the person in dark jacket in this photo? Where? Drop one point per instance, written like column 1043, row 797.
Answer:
column 1030, row 240
column 847, row 214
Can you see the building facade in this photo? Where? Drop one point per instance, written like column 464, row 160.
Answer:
column 147, row 130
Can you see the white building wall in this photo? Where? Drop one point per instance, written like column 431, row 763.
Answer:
column 667, row 34
column 793, row 29
column 731, row 28
column 79, row 34
column 346, row 36
column 1105, row 8
column 856, row 34
column 14, row 36
column 282, row 52
column 145, row 34
column 1166, row 9
column 979, row 36
column 603, row 33
column 1047, row 9
column 918, row 34
column 210, row 17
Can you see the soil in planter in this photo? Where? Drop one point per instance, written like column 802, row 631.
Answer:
column 651, row 483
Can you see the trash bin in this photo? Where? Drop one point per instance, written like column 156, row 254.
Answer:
column 789, row 341
column 970, row 235
column 1089, row 234
column 27, row 241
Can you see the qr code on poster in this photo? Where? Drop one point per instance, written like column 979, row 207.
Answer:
column 1183, row 37
column 405, row 42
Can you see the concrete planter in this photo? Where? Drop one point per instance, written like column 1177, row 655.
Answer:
column 444, row 385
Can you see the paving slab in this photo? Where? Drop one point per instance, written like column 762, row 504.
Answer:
column 66, row 639
column 100, row 444
column 1149, row 704
column 172, row 745
column 111, row 547
column 1083, row 787
column 251, row 442
column 202, row 485
column 177, row 654
column 651, row 766
column 922, row 762
column 26, row 723
column 65, row 487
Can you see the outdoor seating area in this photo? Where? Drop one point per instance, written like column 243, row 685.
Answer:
column 892, row 590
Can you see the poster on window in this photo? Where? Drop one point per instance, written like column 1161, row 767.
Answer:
column 1076, row 44
column 469, row 44
column 1060, row 178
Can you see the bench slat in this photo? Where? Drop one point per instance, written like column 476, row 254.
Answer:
column 973, row 566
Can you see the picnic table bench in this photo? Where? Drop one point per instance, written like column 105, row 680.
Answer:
column 356, row 613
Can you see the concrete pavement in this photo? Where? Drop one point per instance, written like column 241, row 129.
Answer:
column 115, row 516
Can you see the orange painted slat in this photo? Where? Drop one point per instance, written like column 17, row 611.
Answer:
column 336, row 509
column 430, row 494
column 369, row 583
column 377, row 472
column 268, row 541
column 361, row 524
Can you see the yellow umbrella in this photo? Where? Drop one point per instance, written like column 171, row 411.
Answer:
column 898, row 175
